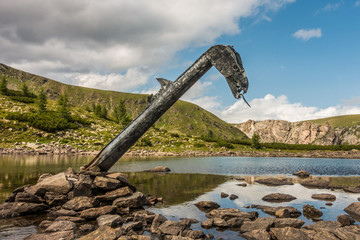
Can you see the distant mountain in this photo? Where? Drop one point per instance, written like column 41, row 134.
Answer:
column 182, row 118
column 326, row 131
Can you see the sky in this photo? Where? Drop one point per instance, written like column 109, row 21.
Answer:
column 302, row 58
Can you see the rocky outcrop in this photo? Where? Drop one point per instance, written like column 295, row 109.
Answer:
column 300, row 132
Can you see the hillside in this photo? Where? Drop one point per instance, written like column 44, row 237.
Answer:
column 184, row 121
column 328, row 131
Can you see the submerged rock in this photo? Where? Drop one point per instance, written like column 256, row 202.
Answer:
column 159, row 169
column 310, row 211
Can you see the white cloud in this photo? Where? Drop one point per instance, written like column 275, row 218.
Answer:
column 100, row 43
column 306, row 34
column 331, row 7
column 279, row 108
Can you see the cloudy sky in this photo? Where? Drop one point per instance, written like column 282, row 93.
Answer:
column 302, row 58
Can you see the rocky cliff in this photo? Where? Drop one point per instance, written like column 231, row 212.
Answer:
column 301, row 132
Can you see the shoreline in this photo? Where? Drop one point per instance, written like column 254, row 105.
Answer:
column 67, row 150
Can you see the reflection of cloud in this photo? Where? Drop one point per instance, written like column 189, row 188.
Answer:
column 306, row 34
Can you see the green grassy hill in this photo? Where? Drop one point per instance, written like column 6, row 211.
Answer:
column 339, row 121
column 184, row 120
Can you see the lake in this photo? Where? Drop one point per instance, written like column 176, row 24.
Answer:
column 193, row 180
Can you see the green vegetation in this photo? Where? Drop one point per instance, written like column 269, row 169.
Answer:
column 284, row 146
column 255, row 141
column 340, row 121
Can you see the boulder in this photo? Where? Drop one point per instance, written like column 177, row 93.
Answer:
column 324, row 196
column 63, row 235
column 106, row 183
column 310, row 211
column 352, row 189
column 345, row 220
column 28, row 197
column 111, row 220
column 70, row 218
column 228, row 213
column 261, row 223
column 159, row 169
column 133, row 226
column 301, row 173
column 293, row 212
column 288, row 222
column 172, row 227
column 278, row 197
column 224, row 195
column 158, row 220
column 83, row 186
column 57, row 226
column 260, row 234
column 287, row 233
column 92, row 213
column 79, row 203
column 14, row 209
column 329, row 226
column 207, row 205
column 275, row 181
column 348, row 232
column 208, row 223
column 102, row 233
column 315, row 183
column 233, row 197
column 112, row 195
column 55, row 199
column 136, row 200
column 354, row 210
column 56, row 183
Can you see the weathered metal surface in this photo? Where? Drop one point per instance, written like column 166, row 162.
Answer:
column 224, row 58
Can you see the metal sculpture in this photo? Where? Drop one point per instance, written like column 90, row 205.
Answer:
column 223, row 57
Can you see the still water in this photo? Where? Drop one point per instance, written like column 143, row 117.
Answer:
column 192, row 180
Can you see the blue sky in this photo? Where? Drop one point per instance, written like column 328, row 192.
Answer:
column 302, row 58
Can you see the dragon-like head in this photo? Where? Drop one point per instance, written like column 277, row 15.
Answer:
column 228, row 62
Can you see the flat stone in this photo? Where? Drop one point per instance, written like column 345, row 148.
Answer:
column 275, row 181
column 324, row 196
column 289, row 233
column 208, row 223
column 261, row 223
column 63, row 235
column 14, row 209
column 111, row 220
column 106, row 183
column 92, row 213
column 79, row 203
column 56, row 183
column 63, row 212
column 345, row 220
column 315, row 183
column 55, row 199
column 133, row 226
column 61, row 226
column 28, row 197
column 258, row 234
column 136, row 200
column 324, row 225
column 301, row 173
column 70, row 218
column 288, row 222
column 207, row 205
column 354, row 210
column 159, row 169
column 158, row 220
column 102, row 233
column 172, row 227
column 278, row 197
column 293, row 212
column 320, row 234
column 112, row 195
column 352, row 189
column 348, row 232
column 310, row 211
column 228, row 213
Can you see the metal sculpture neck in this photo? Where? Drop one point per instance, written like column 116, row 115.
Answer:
column 223, row 57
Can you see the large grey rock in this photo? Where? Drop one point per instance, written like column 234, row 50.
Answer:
column 92, row 213
column 278, row 197
column 310, row 211
column 315, row 183
column 275, row 181
column 61, row 226
column 288, row 222
column 57, row 183
column 63, row 235
column 106, row 183
column 102, row 233
column 258, row 234
column 172, row 227
column 112, row 195
column 79, row 203
column 289, row 233
column 111, row 220
column 261, row 223
column 136, row 200
column 354, row 210
column 228, row 213
column 324, row 196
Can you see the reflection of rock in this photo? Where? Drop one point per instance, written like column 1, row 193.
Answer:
column 278, row 197
column 310, row 211
column 315, row 183
column 159, row 169
column 324, row 196
column 275, row 181
column 301, row 173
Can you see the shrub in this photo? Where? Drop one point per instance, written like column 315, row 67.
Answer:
column 199, row 145
column 255, row 141
column 223, row 143
column 174, row 135
column 145, row 142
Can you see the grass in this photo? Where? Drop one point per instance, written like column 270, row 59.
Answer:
column 340, row 121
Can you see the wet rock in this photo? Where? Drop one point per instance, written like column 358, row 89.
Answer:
column 93, row 213
column 159, row 169
column 207, row 205
column 224, row 195
column 289, row 233
column 134, row 201
column 353, row 210
column 278, row 197
column 86, row 228
column 220, row 223
column 208, row 223
column 261, row 223
column 320, row 234
column 328, row 204
column 324, row 226
column 301, row 173
column 259, row 234
column 83, row 186
column 228, row 213
column 158, row 220
column 345, row 220
column 55, row 199
column 348, row 232
column 288, row 222
column 63, row 235
column 61, row 226
column 28, row 197
column 235, row 222
column 111, row 220
column 310, row 211
column 106, row 183
column 14, row 209
column 293, row 212
column 102, row 233
column 172, row 227
column 57, row 184
column 233, row 197
column 70, row 218
column 275, row 181
column 195, row 234
column 63, row 212
column 79, row 203
column 134, row 226
column 324, row 196
column 315, row 183
column 112, row 195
